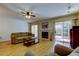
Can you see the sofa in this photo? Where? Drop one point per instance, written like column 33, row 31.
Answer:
column 75, row 52
column 18, row 37
column 62, row 50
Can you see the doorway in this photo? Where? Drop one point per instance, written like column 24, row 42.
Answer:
column 62, row 35
column 34, row 30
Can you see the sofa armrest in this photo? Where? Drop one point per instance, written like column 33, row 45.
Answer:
column 75, row 52
column 62, row 50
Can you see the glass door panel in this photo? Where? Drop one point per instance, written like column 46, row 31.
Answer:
column 35, row 32
column 62, row 32
column 58, row 28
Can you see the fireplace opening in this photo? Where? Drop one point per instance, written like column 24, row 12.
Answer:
column 45, row 35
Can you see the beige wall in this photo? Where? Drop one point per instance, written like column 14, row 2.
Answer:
column 52, row 23
column 9, row 24
column 50, row 30
column 77, row 22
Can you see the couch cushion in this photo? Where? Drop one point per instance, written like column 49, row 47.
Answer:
column 19, row 38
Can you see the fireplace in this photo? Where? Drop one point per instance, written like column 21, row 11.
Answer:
column 45, row 35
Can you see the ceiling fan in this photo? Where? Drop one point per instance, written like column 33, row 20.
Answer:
column 28, row 14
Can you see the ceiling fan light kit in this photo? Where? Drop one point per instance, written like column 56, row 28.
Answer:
column 29, row 13
column 28, row 16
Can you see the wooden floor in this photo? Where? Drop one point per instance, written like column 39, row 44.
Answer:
column 40, row 49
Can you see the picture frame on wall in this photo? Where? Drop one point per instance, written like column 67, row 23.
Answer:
column 45, row 25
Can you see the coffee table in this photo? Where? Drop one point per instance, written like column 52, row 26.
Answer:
column 29, row 42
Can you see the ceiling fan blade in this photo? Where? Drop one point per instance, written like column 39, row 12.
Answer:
column 23, row 12
column 33, row 15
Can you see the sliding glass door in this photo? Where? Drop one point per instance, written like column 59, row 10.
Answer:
column 62, row 32
column 34, row 30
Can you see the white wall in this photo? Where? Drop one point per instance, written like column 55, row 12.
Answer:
column 9, row 24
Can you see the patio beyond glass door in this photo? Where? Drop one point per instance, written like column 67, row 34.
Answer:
column 34, row 29
column 62, row 33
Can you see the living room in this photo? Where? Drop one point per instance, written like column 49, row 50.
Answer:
column 34, row 24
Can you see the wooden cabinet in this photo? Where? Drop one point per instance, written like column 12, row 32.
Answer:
column 74, row 37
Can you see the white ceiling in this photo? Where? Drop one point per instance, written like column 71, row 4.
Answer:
column 42, row 10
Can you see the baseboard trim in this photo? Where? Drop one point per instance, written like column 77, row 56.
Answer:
column 5, row 41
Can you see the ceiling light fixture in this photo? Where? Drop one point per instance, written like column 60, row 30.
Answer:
column 69, row 8
column 73, row 10
column 28, row 16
